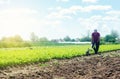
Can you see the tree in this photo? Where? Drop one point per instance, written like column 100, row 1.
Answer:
column 43, row 39
column 109, row 38
column 102, row 40
column 18, row 38
column 73, row 40
column 114, row 34
column 33, row 37
column 67, row 38
column 13, row 41
column 86, row 38
column 112, row 37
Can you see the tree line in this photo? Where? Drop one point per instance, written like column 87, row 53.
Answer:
column 112, row 38
column 17, row 41
column 13, row 41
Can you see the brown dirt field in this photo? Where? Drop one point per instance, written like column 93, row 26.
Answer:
column 104, row 66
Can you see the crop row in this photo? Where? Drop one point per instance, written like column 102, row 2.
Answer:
column 17, row 56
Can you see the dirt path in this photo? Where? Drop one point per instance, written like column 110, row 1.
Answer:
column 104, row 66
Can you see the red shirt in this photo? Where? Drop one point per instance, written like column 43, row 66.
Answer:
column 95, row 37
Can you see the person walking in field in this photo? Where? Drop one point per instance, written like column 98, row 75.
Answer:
column 95, row 41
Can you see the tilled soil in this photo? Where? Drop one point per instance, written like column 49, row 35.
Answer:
column 104, row 66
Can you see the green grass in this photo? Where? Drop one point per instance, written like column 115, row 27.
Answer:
column 17, row 56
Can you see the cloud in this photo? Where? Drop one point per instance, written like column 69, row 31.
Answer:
column 16, row 16
column 114, row 13
column 17, row 11
column 96, row 7
column 62, row 13
column 16, row 20
column 4, row 1
column 103, row 23
column 23, row 21
column 62, row 0
column 90, row 1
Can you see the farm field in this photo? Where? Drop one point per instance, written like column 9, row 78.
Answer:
column 103, row 66
column 18, row 56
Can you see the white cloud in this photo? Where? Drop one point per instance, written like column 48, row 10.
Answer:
column 62, row 0
column 66, row 12
column 90, row 1
column 58, row 16
column 103, row 23
column 4, row 1
column 23, row 21
column 17, row 11
column 96, row 7
column 113, row 13
column 16, row 20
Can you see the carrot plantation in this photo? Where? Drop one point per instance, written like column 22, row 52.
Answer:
column 17, row 56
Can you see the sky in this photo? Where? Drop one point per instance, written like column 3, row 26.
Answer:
column 56, row 19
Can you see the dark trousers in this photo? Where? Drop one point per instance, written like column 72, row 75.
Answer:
column 95, row 46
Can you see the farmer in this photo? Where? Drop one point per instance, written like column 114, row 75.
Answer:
column 95, row 41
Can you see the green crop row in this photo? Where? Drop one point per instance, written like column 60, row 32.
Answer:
column 17, row 56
